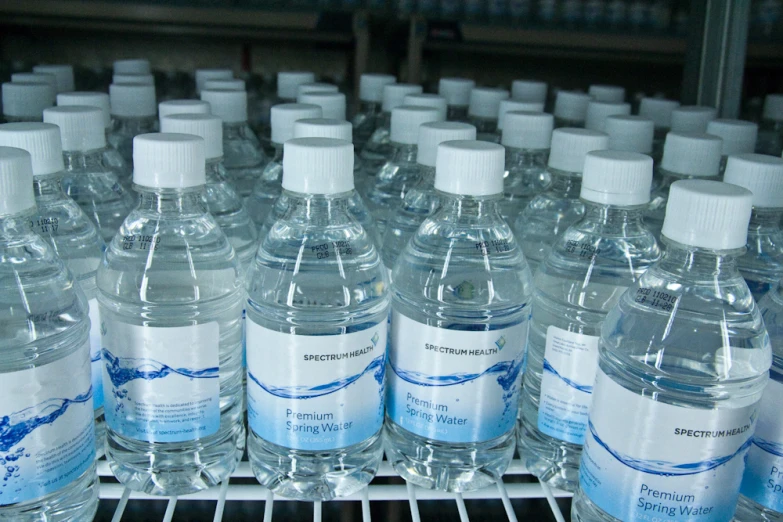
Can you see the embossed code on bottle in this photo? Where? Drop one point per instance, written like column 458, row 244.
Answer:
column 656, row 299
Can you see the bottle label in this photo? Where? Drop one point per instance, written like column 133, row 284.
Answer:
column 163, row 383
column 570, row 362
column 47, row 438
column 315, row 392
column 438, row 376
column 763, row 480
column 95, row 355
column 645, row 460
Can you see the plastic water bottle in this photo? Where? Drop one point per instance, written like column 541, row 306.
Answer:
column 457, row 94
column 268, row 187
column 401, row 172
column 378, row 149
column 514, row 105
column 202, row 76
column 242, row 154
column 598, row 111
column 770, row 139
column 739, row 137
column 26, row 101
column 559, row 207
column 422, row 199
column 370, row 97
column 87, row 180
column 435, row 101
column 67, row 229
column 133, row 112
column 63, row 73
column 223, row 203
column 316, row 364
column 659, row 110
column 683, row 361
column 332, row 104
column 132, row 66
column 461, row 295
column 315, row 87
column 111, row 156
column 692, row 118
column 607, row 93
column 483, row 111
column 685, row 155
column 527, row 137
column 529, row 91
column 582, row 279
column 171, row 301
column 571, row 109
column 172, row 107
column 759, row 499
column 47, row 399
column 762, row 263
column 630, row 134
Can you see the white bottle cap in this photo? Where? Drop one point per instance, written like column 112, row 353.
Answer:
column 288, row 81
column 569, row 147
column 132, row 100
column 41, row 140
column 323, row 128
column 318, row 166
column 81, row 127
column 90, row 99
column 607, row 93
column 707, row 214
column 165, row 160
column 206, row 126
column 47, row 78
column 760, row 174
column 16, row 181
column 332, row 103
column 613, row 177
column 692, row 154
column 307, row 88
column 773, row 107
column 470, row 168
column 528, row 130
column 132, row 66
column 456, row 91
column 230, row 106
column 692, row 118
column 571, row 106
column 146, row 79
column 64, row 74
column 485, row 102
column 597, row 112
column 233, row 84
column 202, row 75
column 659, row 110
column 394, row 94
column 739, row 137
column 630, row 133
column 435, row 101
column 27, row 100
column 406, row 120
column 284, row 115
column 434, row 133
column 529, row 91
column 171, row 107
column 371, row 86
column 516, row 105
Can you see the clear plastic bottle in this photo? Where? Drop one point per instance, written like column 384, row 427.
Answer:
column 370, row 97
column 559, row 206
column 630, row 134
column 332, row 104
column 514, row 105
column 378, row 149
column 436, row 101
column 483, row 111
column 534, row 91
column 223, row 203
column 26, row 101
column 692, row 118
column 171, row 298
column 242, row 154
column 268, row 187
column 683, row 360
column 133, row 111
column 770, row 139
column 659, row 110
column 582, row 279
column 762, row 263
column 316, row 363
column 63, row 73
column 598, row 111
column 422, row 199
column 401, row 172
column 527, row 137
column 71, row 234
column 607, row 93
column 45, row 373
column 93, row 186
column 461, row 295
column 457, row 94
column 571, row 109
column 739, row 137
column 685, row 155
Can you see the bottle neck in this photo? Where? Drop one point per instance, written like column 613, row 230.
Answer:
column 134, row 126
column 318, row 209
column 427, row 179
column 470, row 209
column 457, row 112
column 369, row 107
column 91, row 160
column 765, row 221
column 49, row 186
column 565, row 184
column 404, row 153
column 188, row 202
column 234, row 130
column 621, row 219
column 668, row 177
column 699, row 264
column 527, row 158
column 214, row 170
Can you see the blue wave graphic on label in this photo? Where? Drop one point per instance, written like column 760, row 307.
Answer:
column 508, row 372
column 581, row 387
column 122, row 370
column 769, row 446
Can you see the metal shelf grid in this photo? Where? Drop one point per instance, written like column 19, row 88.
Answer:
column 228, row 492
